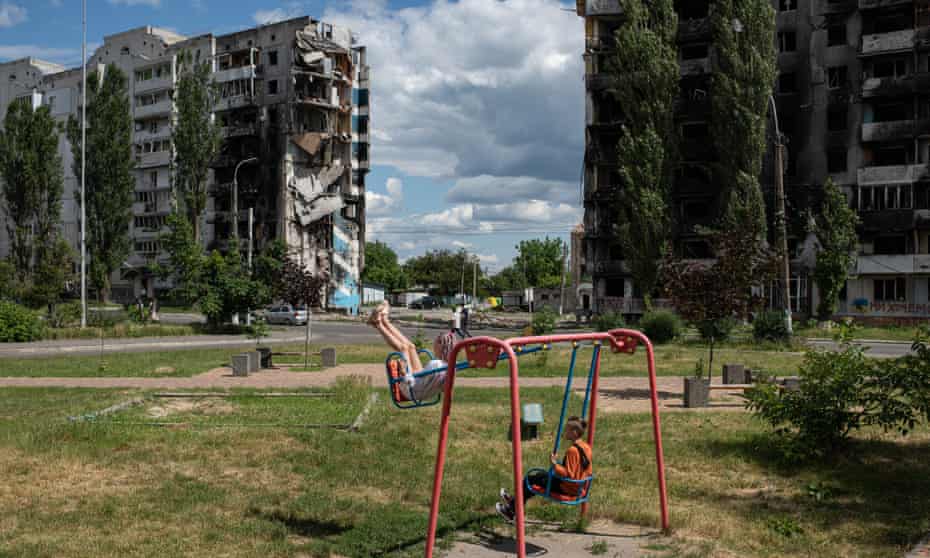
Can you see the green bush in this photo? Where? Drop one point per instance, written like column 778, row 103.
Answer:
column 18, row 323
column 660, row 326
column 770, row 326
column 842, row 391
column 608, row 321
column 544, row 321
column 65, row 314
column 106, row 318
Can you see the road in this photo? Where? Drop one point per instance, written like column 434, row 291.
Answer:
column 328, row 331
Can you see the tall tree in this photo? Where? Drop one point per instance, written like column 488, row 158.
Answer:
column 381, row 266
column 441, row 269
column 540, row 261
column 645, row 85
column 835, row 227
column 30, row 168
column 195, row 135
column 744, row 42
column 109, row 180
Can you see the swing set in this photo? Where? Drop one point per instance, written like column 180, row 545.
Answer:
column 486, row 352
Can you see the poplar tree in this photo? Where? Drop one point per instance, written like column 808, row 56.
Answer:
column 32, row 183
column 744, row 43
column 109, row 180
column 835, row 227
column 645, row 84
column 195, row 136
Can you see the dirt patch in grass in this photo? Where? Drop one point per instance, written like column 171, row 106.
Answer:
column 191, row 406
column 164, row 370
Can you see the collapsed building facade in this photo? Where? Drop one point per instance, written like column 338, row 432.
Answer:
column 853, row 103
column 293, row 111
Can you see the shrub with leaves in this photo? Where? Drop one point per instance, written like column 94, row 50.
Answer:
column 770, row 326
column 18, row 324
column 660, row 326
column 608, row 321
column 842, row 391
column 544, row 322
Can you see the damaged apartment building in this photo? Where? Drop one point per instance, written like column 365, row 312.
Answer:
column 293, row 110
column 853, row 104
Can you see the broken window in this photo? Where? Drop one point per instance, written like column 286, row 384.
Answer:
column 691, row 9
column 273, row 87
column 890, row 290
column 787, row 5
column 836, row 160
column 891, row 245
column 273, row 58
column 896, row 67
column 787, row 41
column 836, row 77
column 836, row 34
column 695, row 130
column 787, row 83
column 890, row 112
column 837, row 117
column 891, row 155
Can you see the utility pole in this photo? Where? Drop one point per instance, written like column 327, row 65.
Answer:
column 462, row 284
column 474, row 284
column 248, row 314
column 83, row 164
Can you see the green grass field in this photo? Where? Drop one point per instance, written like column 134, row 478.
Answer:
column 219, row 482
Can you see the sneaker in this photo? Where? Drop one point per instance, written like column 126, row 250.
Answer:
column 504, row 511
column 505, row 497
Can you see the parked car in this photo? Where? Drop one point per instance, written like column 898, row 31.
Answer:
column 426, row 303
column 286, row 314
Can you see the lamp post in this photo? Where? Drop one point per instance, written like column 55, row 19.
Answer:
column 83, row 163
column 780, row 215
column 235, row 198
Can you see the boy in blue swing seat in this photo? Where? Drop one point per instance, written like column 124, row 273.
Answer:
column 414, row 388
column 575, row 466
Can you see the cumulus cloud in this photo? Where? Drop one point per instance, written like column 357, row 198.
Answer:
column 11, row 14
column 152, row 3
column 536, row 217
column 383, row 204
column 474, row 87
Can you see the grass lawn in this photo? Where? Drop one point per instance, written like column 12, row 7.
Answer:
column 112, row 489
column 887, row 333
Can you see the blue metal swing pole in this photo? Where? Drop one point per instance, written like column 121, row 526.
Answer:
column 587, row 392
column 558, row 435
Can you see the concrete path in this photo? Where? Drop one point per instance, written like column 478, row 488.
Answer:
column 617, row 394
column 603, row 537
column 922, row 550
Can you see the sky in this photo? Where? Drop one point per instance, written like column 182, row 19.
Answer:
column 477, row 106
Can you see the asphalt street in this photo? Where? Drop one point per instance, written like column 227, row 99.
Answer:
column 328, row 331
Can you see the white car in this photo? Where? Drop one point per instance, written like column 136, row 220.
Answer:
column 287, row 314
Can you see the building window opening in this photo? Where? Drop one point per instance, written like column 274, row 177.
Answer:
column 694, row 52
column 890, row 290
column 695, row 130
column 836, row 77
column 273, row 58
column 787, row 41
column 837, row 117
column 891, row 245
column 891, row 155
column 692, row 9
column 787, row 5
column 836, row 34
column 890, row 112
column 836, row 160
column 889, row 68
column 787, row 83
column 273, row 87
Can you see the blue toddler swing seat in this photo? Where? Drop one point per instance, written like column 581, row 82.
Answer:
column 583, row 491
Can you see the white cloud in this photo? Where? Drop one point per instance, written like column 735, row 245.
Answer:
column 486, row 189
column 535, row 217
column 291, row 10
column 60, row 55
column 152, row 3
column 11, row 14
column 384, row 204
column 461, row 89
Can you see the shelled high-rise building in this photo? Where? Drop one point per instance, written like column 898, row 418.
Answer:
column 853, row 102
column 293, row 95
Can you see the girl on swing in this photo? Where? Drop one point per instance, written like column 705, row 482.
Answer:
column 575, row 466
column 414, row 388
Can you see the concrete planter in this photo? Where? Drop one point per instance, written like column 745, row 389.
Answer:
column 240, row 365
column 697, row 392
column 254, row 361
column 734, row 374
column 265, row 356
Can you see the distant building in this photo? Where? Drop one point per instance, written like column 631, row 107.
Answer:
column 853, row 100
column 294, row 94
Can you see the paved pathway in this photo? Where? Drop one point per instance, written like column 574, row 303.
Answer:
column 623, row 394
column 922, row 550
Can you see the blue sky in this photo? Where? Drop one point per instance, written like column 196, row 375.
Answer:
column 477, row 105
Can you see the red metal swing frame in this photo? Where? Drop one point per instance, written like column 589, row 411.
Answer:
column 483, row 352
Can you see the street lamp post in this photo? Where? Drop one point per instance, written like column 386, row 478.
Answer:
column 235, row 199
column 83, row 163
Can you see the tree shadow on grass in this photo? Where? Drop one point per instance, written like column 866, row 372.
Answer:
column 877, row 488
column 305, row 527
